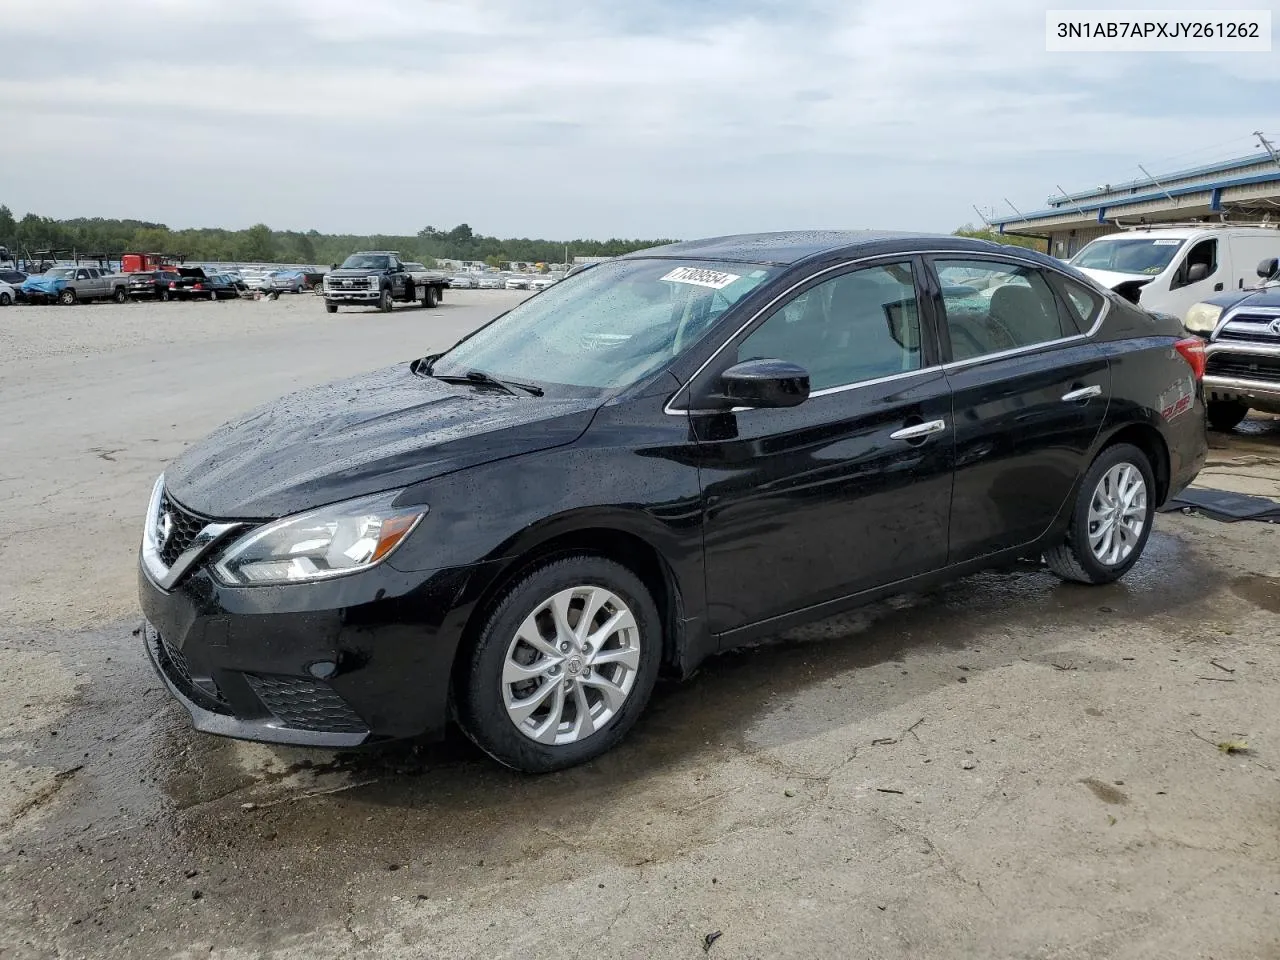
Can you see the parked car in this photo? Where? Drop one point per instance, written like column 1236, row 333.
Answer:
column 152, row 285
column 686, row 449
column 15, row 278
column 490, row 281
column 1167, row 270
column 517, row 281
column 288, row 281
column 540, row 282
column 68, row 285
column 193, row 283
column 8, row 295
column 1242, row 355
column 464, row 281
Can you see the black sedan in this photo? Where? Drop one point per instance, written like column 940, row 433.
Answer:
column 194, row 283
column 663, row 457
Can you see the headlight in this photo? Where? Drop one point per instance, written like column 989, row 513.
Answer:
column 1203, row 318
column 330, row 542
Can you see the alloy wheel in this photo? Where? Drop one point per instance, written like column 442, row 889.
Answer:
column 1117, row 514
column 571, row 665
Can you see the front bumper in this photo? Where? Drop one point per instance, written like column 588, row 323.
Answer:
column 1248, row 372
column 333, row 664
column 353, row 296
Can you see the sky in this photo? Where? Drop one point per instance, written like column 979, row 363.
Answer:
column 591, row 118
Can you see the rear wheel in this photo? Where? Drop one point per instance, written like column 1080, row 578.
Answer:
column 67, row 297
column 1111, row 520
column 564, row 665
column 165, row 295
column 1226, row 414
column 5, row 299
column 120, row 295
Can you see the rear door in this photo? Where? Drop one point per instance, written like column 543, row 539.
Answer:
column 849, row 490
column 1030, row 392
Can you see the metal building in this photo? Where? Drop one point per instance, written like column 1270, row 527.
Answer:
column 1245, row 189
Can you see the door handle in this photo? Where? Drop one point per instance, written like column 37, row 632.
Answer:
column 919, row 431
column 1083, row 393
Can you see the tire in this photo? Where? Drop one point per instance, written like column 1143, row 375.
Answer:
column 165, row 295
column 331, row 308
column 482, row 694
column 431, row 298
column 1075, row 559
column 67, row 297
column 5, row 300
column 385, row 303
column 120, row 295
column 1226, row 415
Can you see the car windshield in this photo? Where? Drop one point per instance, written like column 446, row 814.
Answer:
column 607, row 328
column 1144, row 256
column 366, row 261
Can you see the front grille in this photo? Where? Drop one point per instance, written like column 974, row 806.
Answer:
column 1244, row 367
column 1257, row 329
column 175, row 667
column 184, row 526
column 306, row 704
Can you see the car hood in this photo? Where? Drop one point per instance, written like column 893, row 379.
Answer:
column 1111, row 279
column 1265, row 297
column 374, row 432
column 355, row 272
column 44, row 284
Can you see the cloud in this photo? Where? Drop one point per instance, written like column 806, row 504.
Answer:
column 647, row 118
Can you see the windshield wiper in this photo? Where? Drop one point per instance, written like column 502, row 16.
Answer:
column 488, row 379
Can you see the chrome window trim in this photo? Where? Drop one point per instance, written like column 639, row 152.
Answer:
column 999, row 256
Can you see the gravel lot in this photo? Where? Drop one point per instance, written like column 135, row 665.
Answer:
column 1007, row 767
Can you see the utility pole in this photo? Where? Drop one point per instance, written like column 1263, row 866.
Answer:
column 1266, row 144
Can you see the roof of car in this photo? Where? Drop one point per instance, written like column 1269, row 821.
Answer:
column 794, row 246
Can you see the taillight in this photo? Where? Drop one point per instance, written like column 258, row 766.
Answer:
column 172, row 285
column 1192, row 350
column 199, row 286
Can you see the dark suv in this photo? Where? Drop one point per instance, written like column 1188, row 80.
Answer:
column 152, row 285
column 663, row 457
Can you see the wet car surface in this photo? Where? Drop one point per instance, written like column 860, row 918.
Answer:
column 1004, row 765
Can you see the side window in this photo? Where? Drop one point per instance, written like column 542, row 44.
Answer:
column 1083, row 305
column 82, row 274
column 991, row 307
column 1204, row 253
column 855, row 327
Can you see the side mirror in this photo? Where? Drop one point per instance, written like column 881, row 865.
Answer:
column 765, row 383
column 1268, row 268
column 1197, row 272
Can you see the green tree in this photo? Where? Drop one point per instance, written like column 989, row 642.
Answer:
column 258, row 244
column 8, row 228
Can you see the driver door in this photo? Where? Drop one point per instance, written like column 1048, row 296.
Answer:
column 849, row 490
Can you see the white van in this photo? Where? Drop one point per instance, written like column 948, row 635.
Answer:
column 1169, row 269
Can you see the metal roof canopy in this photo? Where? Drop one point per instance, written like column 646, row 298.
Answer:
column 1188, row 195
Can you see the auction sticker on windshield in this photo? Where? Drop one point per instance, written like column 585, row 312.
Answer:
column 702, row 278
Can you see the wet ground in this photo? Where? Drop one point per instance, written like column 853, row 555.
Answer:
column 1005, row 767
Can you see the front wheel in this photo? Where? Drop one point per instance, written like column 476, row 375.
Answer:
column 67, row 297
column 431, row 299
column 564, row 665
column 384, row 302
column 1226, row 415
column 1111, row 521
column 5, row 299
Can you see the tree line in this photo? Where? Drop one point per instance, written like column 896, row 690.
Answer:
column 91, row 236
